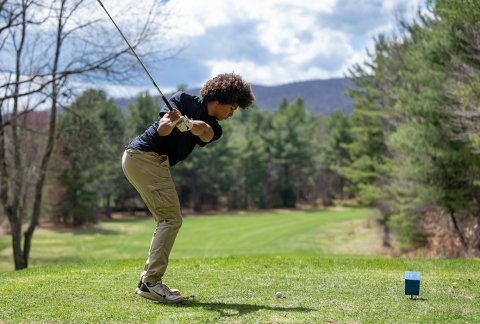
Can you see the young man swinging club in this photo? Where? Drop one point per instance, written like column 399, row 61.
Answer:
column 170, row 139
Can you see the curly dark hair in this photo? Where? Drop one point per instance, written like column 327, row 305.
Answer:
column 228, row 88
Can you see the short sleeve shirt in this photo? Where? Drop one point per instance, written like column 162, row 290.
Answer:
column 177, row 145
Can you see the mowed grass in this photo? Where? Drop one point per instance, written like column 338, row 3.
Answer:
column 323, row 262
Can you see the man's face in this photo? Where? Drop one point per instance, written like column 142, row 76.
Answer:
column 225, row 111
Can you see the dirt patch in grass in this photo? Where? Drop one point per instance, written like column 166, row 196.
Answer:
column 352, row 237
column 362, row 237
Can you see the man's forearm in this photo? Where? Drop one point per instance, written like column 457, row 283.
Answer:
column 202, row 130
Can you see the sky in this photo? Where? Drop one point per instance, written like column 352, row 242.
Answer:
column 267, row 42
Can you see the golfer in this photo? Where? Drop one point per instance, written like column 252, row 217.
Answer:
column 170, row 139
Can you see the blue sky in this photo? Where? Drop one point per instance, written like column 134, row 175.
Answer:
column 268, row 42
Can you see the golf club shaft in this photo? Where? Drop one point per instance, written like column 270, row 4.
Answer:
column 139, row 60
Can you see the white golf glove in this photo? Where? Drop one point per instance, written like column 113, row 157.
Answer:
column 184, row 124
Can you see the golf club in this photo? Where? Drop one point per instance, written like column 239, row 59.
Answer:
column 141, row 63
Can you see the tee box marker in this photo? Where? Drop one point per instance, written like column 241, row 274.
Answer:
column 412, row 283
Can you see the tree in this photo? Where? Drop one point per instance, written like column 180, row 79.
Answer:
column 440, row 169
column 207, row 174
column 413, row 153
column 143, row 113
column 110, row 182
column 420, row 138
column 92, row 134
column 250, row 164
column 290, row 150
column 372, row 121
column 335, row 154
column 50, row 48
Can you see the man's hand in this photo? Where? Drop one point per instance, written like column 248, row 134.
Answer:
column 168, row 122
column 173, row 117
column 184, row 124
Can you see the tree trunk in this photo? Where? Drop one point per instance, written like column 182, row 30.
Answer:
column 386, row 239
column 341, row 185
column 476, row 240
column 13, row 178
column 197, row 194
column 16, row 228
column 108, row 209
column 458, row 231
column 386, row 235
column 50, row 143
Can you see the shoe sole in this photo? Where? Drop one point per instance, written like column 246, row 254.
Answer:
column 174, row 291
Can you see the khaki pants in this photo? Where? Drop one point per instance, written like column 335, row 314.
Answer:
column 149, row 173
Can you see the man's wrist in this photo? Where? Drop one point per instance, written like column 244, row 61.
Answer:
column 184, row 124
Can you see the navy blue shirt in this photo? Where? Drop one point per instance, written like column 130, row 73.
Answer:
column 177, row 146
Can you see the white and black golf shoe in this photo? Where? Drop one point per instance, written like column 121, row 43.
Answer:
column 159, row 292
column 173, row 291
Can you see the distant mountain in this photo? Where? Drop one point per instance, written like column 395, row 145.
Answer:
column 319, row 96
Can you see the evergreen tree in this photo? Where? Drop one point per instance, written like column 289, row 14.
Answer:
column 249, row 190
column 372, row 120
column 207, row 174
column 437, row 168
column 336, row 154
column 92, row 134
column 291, row 153
column 110, row 183
column 143, row 113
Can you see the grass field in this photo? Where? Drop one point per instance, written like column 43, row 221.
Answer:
column 323, row 262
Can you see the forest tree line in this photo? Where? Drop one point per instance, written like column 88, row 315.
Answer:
column 264, row 159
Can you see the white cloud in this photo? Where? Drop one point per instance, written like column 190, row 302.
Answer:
column 194, row 18
column 289, row 40
column 122, row 90
column 295, row 61
column 301, row 45
column 269, row 74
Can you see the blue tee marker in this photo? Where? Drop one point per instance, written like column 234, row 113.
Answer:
column 412, row 283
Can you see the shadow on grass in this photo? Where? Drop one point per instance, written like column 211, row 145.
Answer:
column 232, row 310
column 77, row 230
column 95, row 230
column 67, row 261
column 91, row 228
column 132, row 219
column 418, row 298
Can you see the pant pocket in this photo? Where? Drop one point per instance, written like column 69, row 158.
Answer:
column 164, row 200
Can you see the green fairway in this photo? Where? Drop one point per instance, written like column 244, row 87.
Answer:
column 234, row 265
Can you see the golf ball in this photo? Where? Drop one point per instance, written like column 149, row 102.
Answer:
column 278, row 294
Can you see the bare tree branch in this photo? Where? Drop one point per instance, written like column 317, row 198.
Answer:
column 45, row 65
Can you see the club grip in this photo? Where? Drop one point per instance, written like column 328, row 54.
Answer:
column 167, row 103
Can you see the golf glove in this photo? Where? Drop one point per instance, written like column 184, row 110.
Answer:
column 184, row 124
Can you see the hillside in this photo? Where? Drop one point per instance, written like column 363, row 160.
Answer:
column 319, row 96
